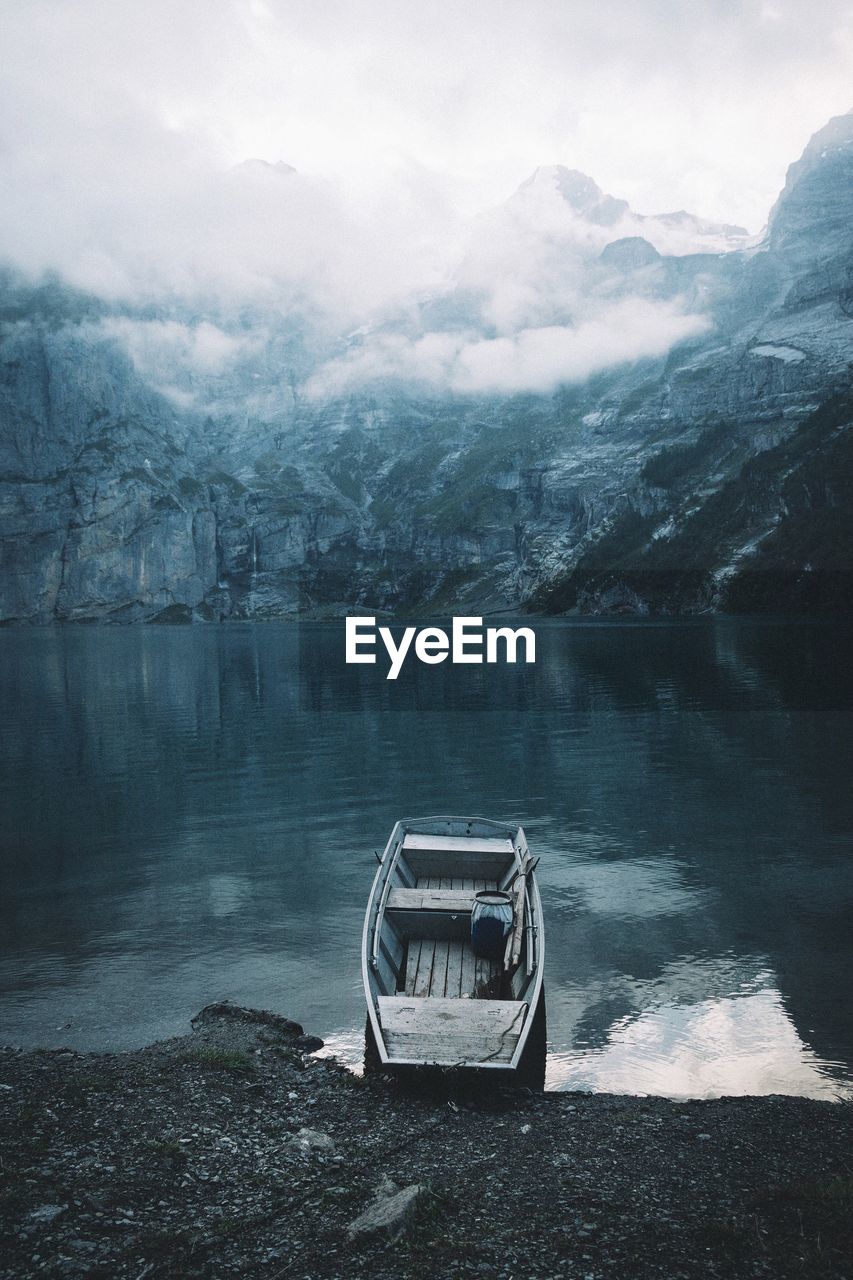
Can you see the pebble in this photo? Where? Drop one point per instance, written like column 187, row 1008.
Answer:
column 47, row 1212
column 387, row 1214
column 312, row 1140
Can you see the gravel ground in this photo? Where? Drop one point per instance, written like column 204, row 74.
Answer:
column 232, row 1151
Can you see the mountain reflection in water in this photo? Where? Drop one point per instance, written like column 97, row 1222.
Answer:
column 190, row 814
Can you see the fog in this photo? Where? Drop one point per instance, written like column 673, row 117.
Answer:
column 342, row 164
column 529, row 360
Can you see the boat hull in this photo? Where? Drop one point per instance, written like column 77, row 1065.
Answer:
column 434, row 1004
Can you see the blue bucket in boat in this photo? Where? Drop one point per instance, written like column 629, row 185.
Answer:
column 491, row 922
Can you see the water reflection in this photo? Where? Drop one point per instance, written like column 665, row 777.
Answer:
column 190, row 814
column 734, row 1045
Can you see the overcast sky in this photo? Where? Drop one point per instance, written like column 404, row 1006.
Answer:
column 700, row 103
column 118, row 118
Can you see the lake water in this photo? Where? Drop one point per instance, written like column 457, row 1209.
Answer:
column 190, row 814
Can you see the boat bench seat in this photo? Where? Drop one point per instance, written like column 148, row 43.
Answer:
column 450, row 1032
column 460, row 844
column 453, row 900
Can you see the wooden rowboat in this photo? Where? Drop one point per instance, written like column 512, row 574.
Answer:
column 432, row 1000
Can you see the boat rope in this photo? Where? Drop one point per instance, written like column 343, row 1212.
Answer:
column 504, row 1034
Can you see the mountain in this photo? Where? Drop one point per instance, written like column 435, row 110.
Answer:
column 812, row 215
column 602, row 411
column 580, row 192
column 678, row 232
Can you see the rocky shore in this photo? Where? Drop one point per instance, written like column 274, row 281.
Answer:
column 235, row 1151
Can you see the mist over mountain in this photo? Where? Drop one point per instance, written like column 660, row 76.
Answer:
column 561, row 404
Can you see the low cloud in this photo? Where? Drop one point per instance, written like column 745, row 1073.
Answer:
column 167, row 347
column 533, row 359
column 540, row 359
column 175, row 227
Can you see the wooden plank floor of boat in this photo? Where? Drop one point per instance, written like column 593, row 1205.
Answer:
column 451, row 1032
column 450, row 969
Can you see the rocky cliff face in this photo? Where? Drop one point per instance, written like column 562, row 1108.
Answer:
column 712, row 474
column 100, row 510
